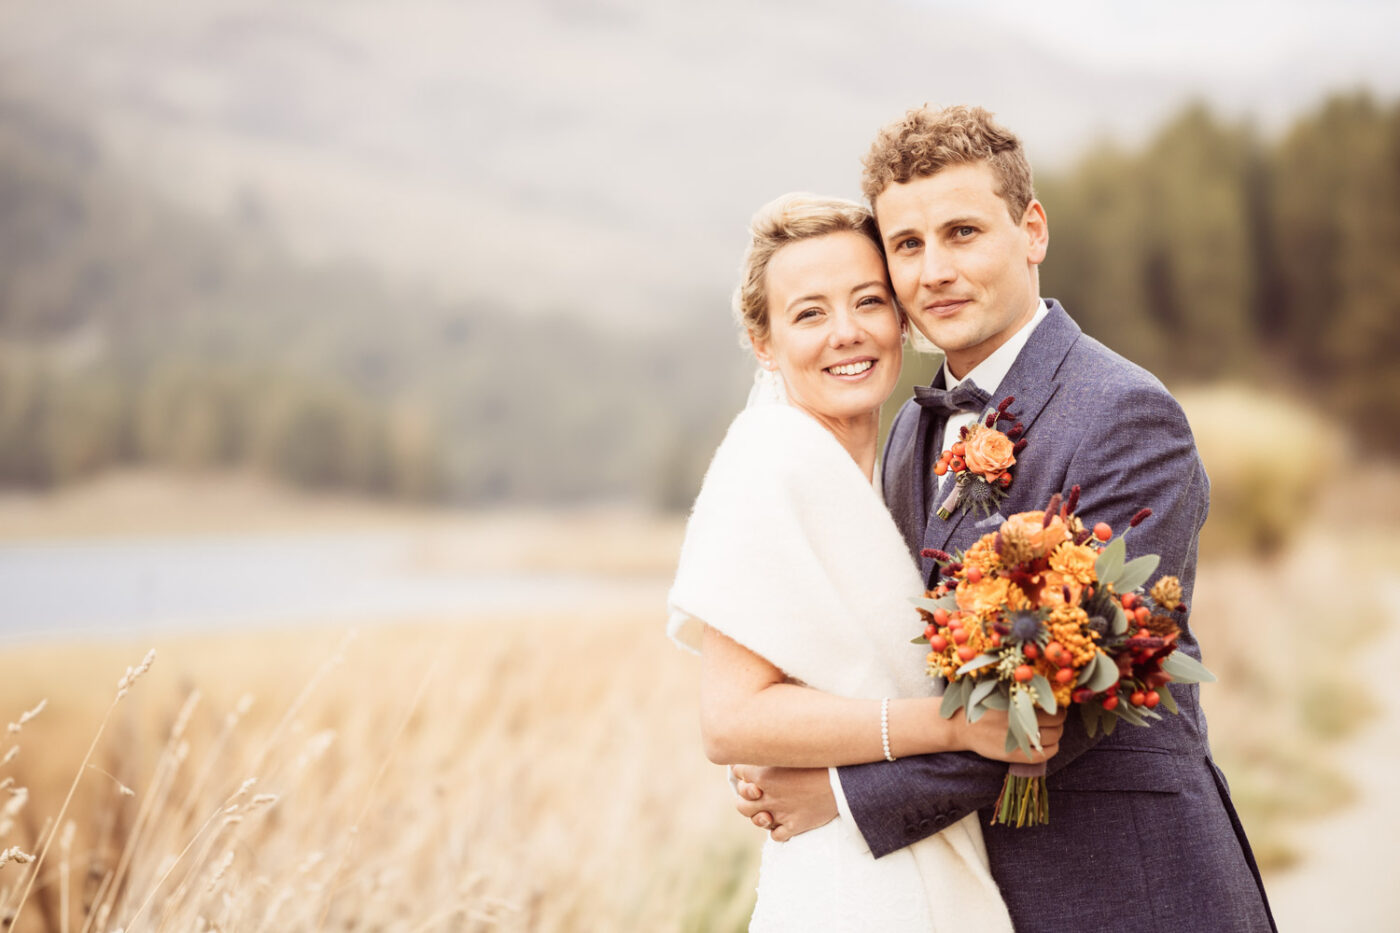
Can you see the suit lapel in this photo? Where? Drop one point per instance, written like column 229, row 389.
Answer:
column 1032, row 380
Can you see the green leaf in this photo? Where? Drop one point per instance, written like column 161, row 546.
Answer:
column 1023, row 714
column 1119, row 622
column 1110, row 561
column 1089, row 712
column 921, row 640
column 982, row 690
column 956, row 697
column 977, row 663
column 1135, row 573
column 1186, row 669
column 1012, row 743
column 1130, row 713
column 948, row 602
column 997, row 700
column 1169, row 701
column 1110, row 723
column 1104, row 674
column 1044, row 693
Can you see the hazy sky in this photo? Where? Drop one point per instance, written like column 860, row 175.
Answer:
column 604, row 155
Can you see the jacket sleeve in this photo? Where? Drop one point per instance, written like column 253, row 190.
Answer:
column 1140, row 455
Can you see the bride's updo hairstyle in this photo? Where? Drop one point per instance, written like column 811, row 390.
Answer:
column 788, row 219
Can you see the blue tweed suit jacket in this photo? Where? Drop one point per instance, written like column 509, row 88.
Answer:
column 1142, row 832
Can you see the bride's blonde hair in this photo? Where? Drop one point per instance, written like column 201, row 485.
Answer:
column 788, row 219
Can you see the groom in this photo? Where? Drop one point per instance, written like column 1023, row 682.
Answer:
column 1142, row 832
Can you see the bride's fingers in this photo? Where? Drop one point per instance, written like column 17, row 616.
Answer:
column 763, row 820
column 780, row 833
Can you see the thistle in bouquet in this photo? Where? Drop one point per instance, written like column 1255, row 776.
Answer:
column 1045, row 612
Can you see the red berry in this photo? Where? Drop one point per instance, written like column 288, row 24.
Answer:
column 1143, row 614
column 940, row 616
column 1129, row 599
column 1004, row 480
column 1023, row 673
column 958, row 450
column 960, row 635
column 958, row 465
column 1153, row 698
column 1111, row 702
column 930, row 631
column 1064, row 675
column 1032, row 650
column 1056, row 652
column 938, row 643
column 996, row 640
column 1103, row 531
column 974, row 575
column 940, row 468
column 1138, row 698
column 967, row 653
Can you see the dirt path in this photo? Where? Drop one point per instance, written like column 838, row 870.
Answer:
column 1348, row 878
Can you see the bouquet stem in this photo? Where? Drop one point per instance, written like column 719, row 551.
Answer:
column 1024, row 799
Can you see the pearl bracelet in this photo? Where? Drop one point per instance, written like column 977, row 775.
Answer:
column 885, row 728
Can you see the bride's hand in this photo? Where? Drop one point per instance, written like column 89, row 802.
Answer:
column 987, row 736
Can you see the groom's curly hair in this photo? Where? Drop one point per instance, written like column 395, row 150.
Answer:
column 925, row 141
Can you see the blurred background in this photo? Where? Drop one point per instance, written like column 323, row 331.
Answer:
column 364, row 358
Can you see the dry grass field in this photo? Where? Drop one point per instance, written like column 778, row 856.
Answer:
column 543, row 771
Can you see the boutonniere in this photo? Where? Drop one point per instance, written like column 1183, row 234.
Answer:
column 981, row 460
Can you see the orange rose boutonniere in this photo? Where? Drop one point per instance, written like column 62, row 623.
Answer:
column 981, row 460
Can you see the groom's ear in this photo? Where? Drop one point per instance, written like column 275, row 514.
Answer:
column 1037, row 228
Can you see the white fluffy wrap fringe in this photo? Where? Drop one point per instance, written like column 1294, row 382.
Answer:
column 790, row 552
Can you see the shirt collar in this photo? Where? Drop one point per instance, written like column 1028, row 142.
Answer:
column 989, row 373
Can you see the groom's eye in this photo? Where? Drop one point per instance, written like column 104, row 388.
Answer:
column 910, row 243
column 965, row 231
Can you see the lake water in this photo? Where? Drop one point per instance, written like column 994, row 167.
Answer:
column 112, row 587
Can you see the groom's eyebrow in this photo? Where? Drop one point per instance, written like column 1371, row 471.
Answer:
column 901, row 234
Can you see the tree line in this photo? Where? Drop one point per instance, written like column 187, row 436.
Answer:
column 131, row 333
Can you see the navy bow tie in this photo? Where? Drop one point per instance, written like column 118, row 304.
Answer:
column 945, row 402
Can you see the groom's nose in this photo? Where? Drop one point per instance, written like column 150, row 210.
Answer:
column 938, row 268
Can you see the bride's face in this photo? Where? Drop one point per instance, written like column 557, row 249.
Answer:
column 834, row 333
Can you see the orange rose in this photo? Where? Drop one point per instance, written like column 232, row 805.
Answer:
column 987, row 595
column 1043, row 538
column 1075, row 561
column 988, row 452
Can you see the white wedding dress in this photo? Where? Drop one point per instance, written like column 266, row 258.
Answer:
column 791, row 552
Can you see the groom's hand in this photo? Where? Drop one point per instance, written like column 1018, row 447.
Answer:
column 785, row 801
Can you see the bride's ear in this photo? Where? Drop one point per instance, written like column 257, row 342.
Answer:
column 762, row 352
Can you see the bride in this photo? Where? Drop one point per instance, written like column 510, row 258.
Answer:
column 793, row 585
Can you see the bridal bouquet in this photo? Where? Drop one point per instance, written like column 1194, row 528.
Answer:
column 1046, row 612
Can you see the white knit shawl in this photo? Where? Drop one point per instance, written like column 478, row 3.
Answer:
column 790, row 552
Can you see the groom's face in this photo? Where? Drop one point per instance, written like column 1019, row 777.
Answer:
column 963, row 268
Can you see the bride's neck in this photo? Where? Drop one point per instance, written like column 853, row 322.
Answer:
column 859, row 436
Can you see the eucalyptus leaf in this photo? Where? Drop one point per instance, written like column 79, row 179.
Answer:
column 1011, row 743
column 1169, row 701
column 921, row 640
column 1105, row 673
column 1135, row 573
column 948, row 602
column 975, row 712
column 956, row 697
column 1044, row 693
column 1110, row 561
column 1119, row 622
column 1186, row 669
column 1129, row 713
column 997, row 700
column 1110, row 722
column 1017, row 737
column 1089, row 713
column 977, row 663
column 1023, row 714
column 982, row 690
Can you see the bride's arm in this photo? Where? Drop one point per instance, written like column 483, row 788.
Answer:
column 750, row 714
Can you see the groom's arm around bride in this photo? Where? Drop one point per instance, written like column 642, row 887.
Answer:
column 1142, row 832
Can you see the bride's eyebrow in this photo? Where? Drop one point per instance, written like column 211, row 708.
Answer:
column 864, row 285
